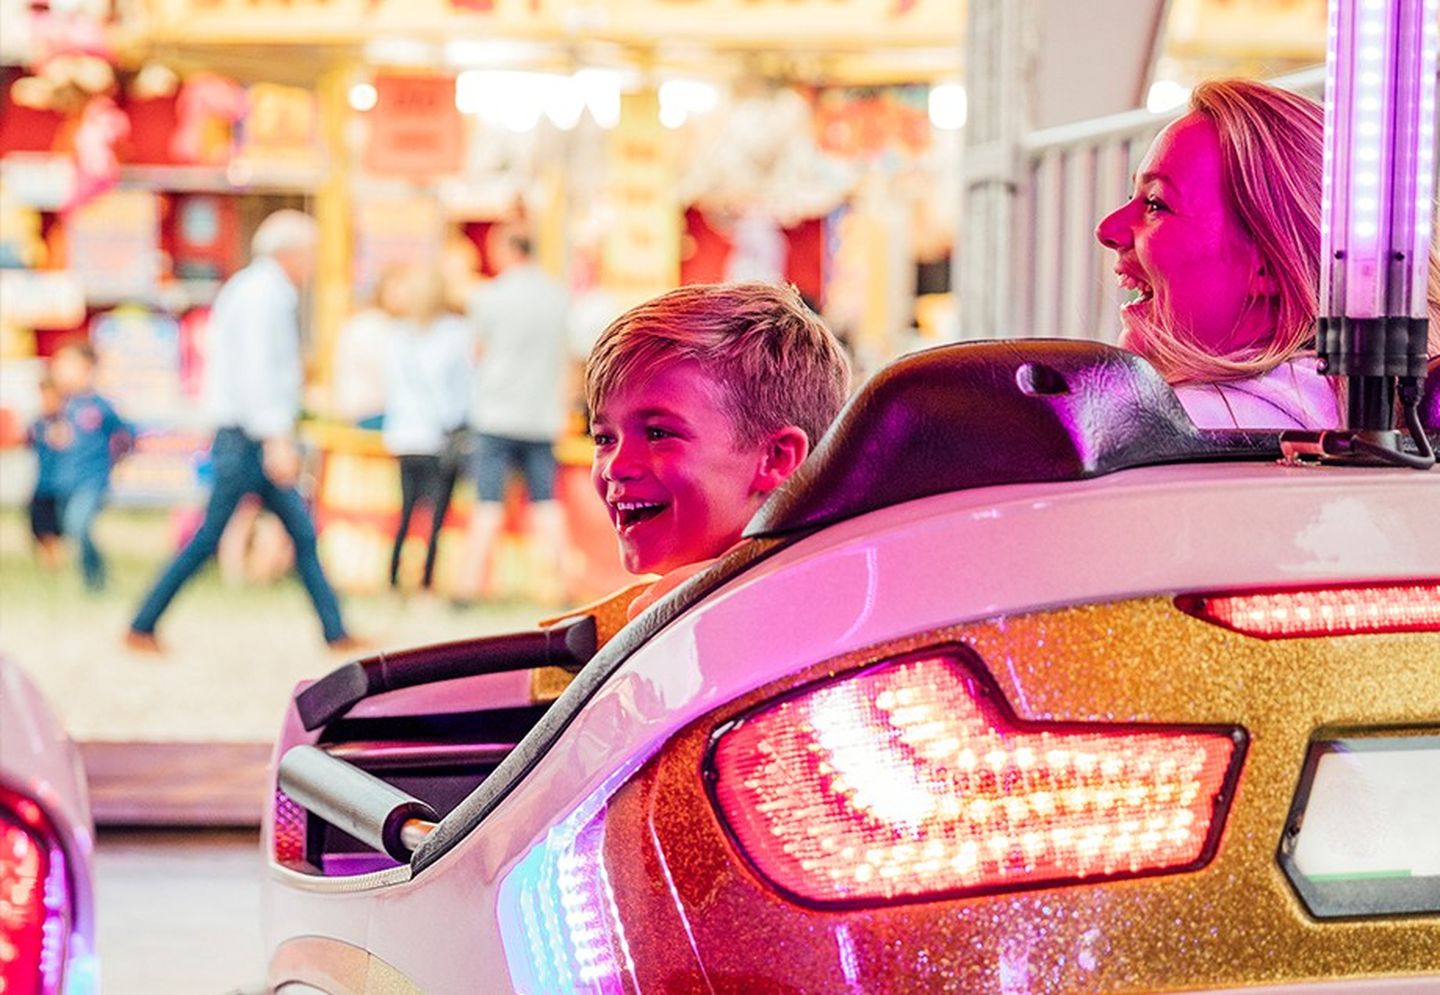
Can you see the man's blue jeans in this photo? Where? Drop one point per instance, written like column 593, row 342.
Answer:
column 239, row 470
column 77, row 520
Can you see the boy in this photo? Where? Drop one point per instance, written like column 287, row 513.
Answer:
column 45, row 436
column 96, row 437
column 703, row 401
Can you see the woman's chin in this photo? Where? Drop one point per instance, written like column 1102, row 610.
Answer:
column 1132, row 336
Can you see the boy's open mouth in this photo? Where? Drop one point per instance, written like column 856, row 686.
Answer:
column 631, row 513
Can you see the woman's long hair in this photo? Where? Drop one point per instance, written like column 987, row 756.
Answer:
column 1271, row 158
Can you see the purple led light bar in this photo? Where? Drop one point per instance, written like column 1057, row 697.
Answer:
column 1378, row 196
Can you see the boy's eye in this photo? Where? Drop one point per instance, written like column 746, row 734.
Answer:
column 655, row 433
column 602, row 438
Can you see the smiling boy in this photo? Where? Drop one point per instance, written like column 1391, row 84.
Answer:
column 703, row 401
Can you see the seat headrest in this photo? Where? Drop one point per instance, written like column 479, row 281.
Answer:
column 983, row 413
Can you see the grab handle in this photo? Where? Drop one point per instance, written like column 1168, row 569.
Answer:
column 570, row 644
column 377, row 814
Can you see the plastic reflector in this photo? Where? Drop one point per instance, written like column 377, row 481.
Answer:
column 288, row 830
column 912, row 780
column 559, row 922
column 1331, row 611
column 34, row 906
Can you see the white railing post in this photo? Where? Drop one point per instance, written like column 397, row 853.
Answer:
column 999, row 46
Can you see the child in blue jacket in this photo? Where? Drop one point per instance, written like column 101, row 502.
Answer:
column 94, row 437
column 44, row 433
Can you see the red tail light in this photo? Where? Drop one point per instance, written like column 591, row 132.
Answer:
column 1329, row 611
column 912, row 779
column 34, row 902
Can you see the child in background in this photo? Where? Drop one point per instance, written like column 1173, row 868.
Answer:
column 46, row 436
column 427, row 396
column 704, row 400
column 97, row 437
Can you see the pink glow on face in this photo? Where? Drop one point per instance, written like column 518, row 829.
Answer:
column 1180, row 246
column 678, row 484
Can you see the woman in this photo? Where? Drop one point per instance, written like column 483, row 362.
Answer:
column 359, row 376
column 427, row 394
column 1221, row 244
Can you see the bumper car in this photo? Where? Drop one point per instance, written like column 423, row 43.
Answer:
column 1021, row 684
column 47, row 910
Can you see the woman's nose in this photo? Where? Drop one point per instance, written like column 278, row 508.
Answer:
column 1113, row 231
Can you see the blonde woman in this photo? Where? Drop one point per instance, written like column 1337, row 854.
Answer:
column 1220, row 242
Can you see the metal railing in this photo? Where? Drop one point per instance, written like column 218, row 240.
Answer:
column 1071, row 177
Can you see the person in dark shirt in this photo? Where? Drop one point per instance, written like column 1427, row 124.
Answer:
column 95, row 436
column 44, row 432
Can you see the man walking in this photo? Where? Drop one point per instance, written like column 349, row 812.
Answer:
column 518, row 412
column 253, row 380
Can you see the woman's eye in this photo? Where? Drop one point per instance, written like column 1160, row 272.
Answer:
column 1154, row 204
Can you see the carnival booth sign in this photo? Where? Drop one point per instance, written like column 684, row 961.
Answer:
column 415, row 128
column 114, row 245
column 140, row 361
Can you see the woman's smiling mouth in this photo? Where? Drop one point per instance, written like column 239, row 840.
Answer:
column 1129, row 281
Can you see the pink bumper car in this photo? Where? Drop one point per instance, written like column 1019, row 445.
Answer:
column 47, row 908
column 1023, row 684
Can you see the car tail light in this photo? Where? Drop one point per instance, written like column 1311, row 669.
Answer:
column 288, row 830
column 34, row 900
column 1328, row 611
column 559, row 922
column 913, row 780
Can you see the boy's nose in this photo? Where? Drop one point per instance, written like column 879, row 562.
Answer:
column 624, row 462
column 1113, row 231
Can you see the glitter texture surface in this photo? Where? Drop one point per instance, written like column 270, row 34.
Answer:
column 1234, row 922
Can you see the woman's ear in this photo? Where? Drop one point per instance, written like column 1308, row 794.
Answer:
column 1262, row 283
column 781, row 455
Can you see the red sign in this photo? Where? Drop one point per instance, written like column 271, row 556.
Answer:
column 415, row 128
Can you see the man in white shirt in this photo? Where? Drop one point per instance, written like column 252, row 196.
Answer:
column 253, row 381
column 521, row 326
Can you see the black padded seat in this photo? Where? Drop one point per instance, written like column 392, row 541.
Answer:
column 982, row 413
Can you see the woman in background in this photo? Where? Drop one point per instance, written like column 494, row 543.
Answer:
column 1220, row 243
column 428, row 382
column 360, row 350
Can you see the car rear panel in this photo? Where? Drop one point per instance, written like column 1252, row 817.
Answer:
column 680, row 881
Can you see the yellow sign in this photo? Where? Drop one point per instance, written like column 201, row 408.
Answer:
column 282, row 125
column 641, row 252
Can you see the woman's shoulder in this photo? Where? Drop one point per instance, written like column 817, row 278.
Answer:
column 1292, row 395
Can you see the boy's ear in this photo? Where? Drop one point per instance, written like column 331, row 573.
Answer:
column 783, row 452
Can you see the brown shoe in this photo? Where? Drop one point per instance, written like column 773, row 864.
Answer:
column 347, row 644
column 143, row 642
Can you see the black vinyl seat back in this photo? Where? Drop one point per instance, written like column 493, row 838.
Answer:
column 984, row 413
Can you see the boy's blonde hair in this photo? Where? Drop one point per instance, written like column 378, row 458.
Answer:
column 774, row 361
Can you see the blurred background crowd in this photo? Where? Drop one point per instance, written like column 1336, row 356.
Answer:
column 610, row 150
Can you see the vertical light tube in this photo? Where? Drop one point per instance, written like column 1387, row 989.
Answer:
column 1360, row 92
column 1419, row 34
column 1377, row 199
